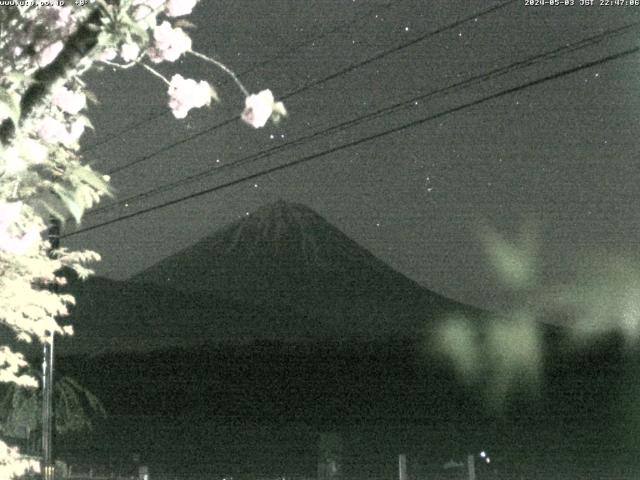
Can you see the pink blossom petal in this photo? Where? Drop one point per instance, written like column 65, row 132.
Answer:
column 178, row 8
column 49, row 53
column 68, row 100
column 107, row 54
column 258, row 108
column 169, row 43
column 52, row 131
column 129, row 52
column 185, row 94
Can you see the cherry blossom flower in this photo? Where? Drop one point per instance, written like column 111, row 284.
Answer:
column 152, row 5
column 12, row 163
column 65, row 18
column 107, row 54
column 68, row 100
column 12, row 463
column 34, row 151
column 49, row 53
column 18, row 157
column 260, row 107
column 178, row 8
column 9, row 241
column 169, row 44
column 54, row 131
column 129, row 52
column 185, row 94
column 9, row 213
column 146, row 9
column 75, row 132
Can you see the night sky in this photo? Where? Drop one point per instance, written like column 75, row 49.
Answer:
column 560, row 152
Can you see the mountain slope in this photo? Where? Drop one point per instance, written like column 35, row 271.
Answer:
column 127, row 316
column 288, row 258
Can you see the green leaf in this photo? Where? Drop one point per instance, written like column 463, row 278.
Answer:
column 10, row 106
column 86, row 175
column 84, row 120
column 137, row 32
column 69, row 200
column 16, row 77
column 184, row 24
column 49, row 204
column 91, row 97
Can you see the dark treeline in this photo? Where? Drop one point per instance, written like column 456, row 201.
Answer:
column 581, row 415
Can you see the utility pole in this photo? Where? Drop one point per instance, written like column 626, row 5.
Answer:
column 47, row 409
column 402, row 466
column 471, row 466
column 47, row 376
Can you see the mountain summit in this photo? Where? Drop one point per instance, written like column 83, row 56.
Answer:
column 277, row 253
column 287, row 259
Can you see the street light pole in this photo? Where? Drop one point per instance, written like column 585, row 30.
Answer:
column 47, row 409
column 47, row 377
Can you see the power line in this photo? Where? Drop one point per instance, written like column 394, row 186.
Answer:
column 315, row 83
column 354, row 143
column 284, row 53
column 554, row 53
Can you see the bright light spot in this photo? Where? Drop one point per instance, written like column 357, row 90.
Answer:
column 217, row 160
column 246, row 213
column 406, row 29
column 378, row 224
column 488, row 460
column 126, row 204
column 460, row 34
column 255, row 185
column 282, row 135
column 272, row 136
column 483, row 454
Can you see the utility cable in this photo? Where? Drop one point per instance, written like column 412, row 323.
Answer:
column 554, row 53
column 315, row 83
column 362, row 140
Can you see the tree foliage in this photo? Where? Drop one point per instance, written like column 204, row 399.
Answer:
column 75, row 407
column 44, row 52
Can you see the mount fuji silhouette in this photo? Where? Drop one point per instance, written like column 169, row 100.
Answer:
column 282, row 274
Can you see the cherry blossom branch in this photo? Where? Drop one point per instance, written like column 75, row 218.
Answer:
column 222, row 67
column 121, row 66
column 76, row 47
column 154, row 72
